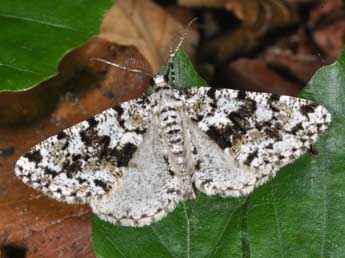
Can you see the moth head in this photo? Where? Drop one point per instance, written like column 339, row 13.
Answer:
column 159, row 81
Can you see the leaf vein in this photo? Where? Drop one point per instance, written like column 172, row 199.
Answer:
column 188, row 230
column 19, row 69
column 162, row 243
column 276, row 218
column 27, row 19
column 112, row 244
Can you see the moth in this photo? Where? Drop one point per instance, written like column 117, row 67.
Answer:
column 135, row 162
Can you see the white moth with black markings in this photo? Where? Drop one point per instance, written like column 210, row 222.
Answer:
column 135, row 162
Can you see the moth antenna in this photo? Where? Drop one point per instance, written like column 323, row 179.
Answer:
column 133, row 70
column 182, row 38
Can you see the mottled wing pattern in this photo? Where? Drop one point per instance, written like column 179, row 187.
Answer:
column 252, row 136
column 147, row 191
column 86, row 160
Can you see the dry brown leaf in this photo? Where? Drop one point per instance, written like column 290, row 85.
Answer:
column 244, row 10
column 261, row 17
column 228, row 45
column 323, row 11
column 249, row 11
column 146, row 26
column 297, row 66
column 331, row 46
column 254, row 75
column 203, row 3
column 328, row 18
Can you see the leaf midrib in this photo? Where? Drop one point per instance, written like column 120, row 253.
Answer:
column 222, row 234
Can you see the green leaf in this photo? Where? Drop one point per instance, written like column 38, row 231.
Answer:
column 36, row 34
column 297, row 214
column 185, row 74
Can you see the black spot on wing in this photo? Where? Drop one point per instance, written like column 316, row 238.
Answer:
column 81, row 180
column 309, row 108
column 274, row 97
column 34, row 156
column 92, row 122
column 119, row 110
column 101, row 184
column 281, row 157
column 90, row 136
column 138, row 130
column 124, row 154
column 240, row 117
column 272, row 102
column 251, row 156
column 104, row 146
column 239, row 122
column 71, row 168
column 65, row 146
column 76, row 157
column 273, row 133
column 241, row 95
column 248, row 108
column 171, row 172
column 221, row 135
column 270, row 146
column 296, row 128
column 166, row 109
column 84, row 137
column 50, row 172
column 211, row 93
column 197, row 164
column 61, row 135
